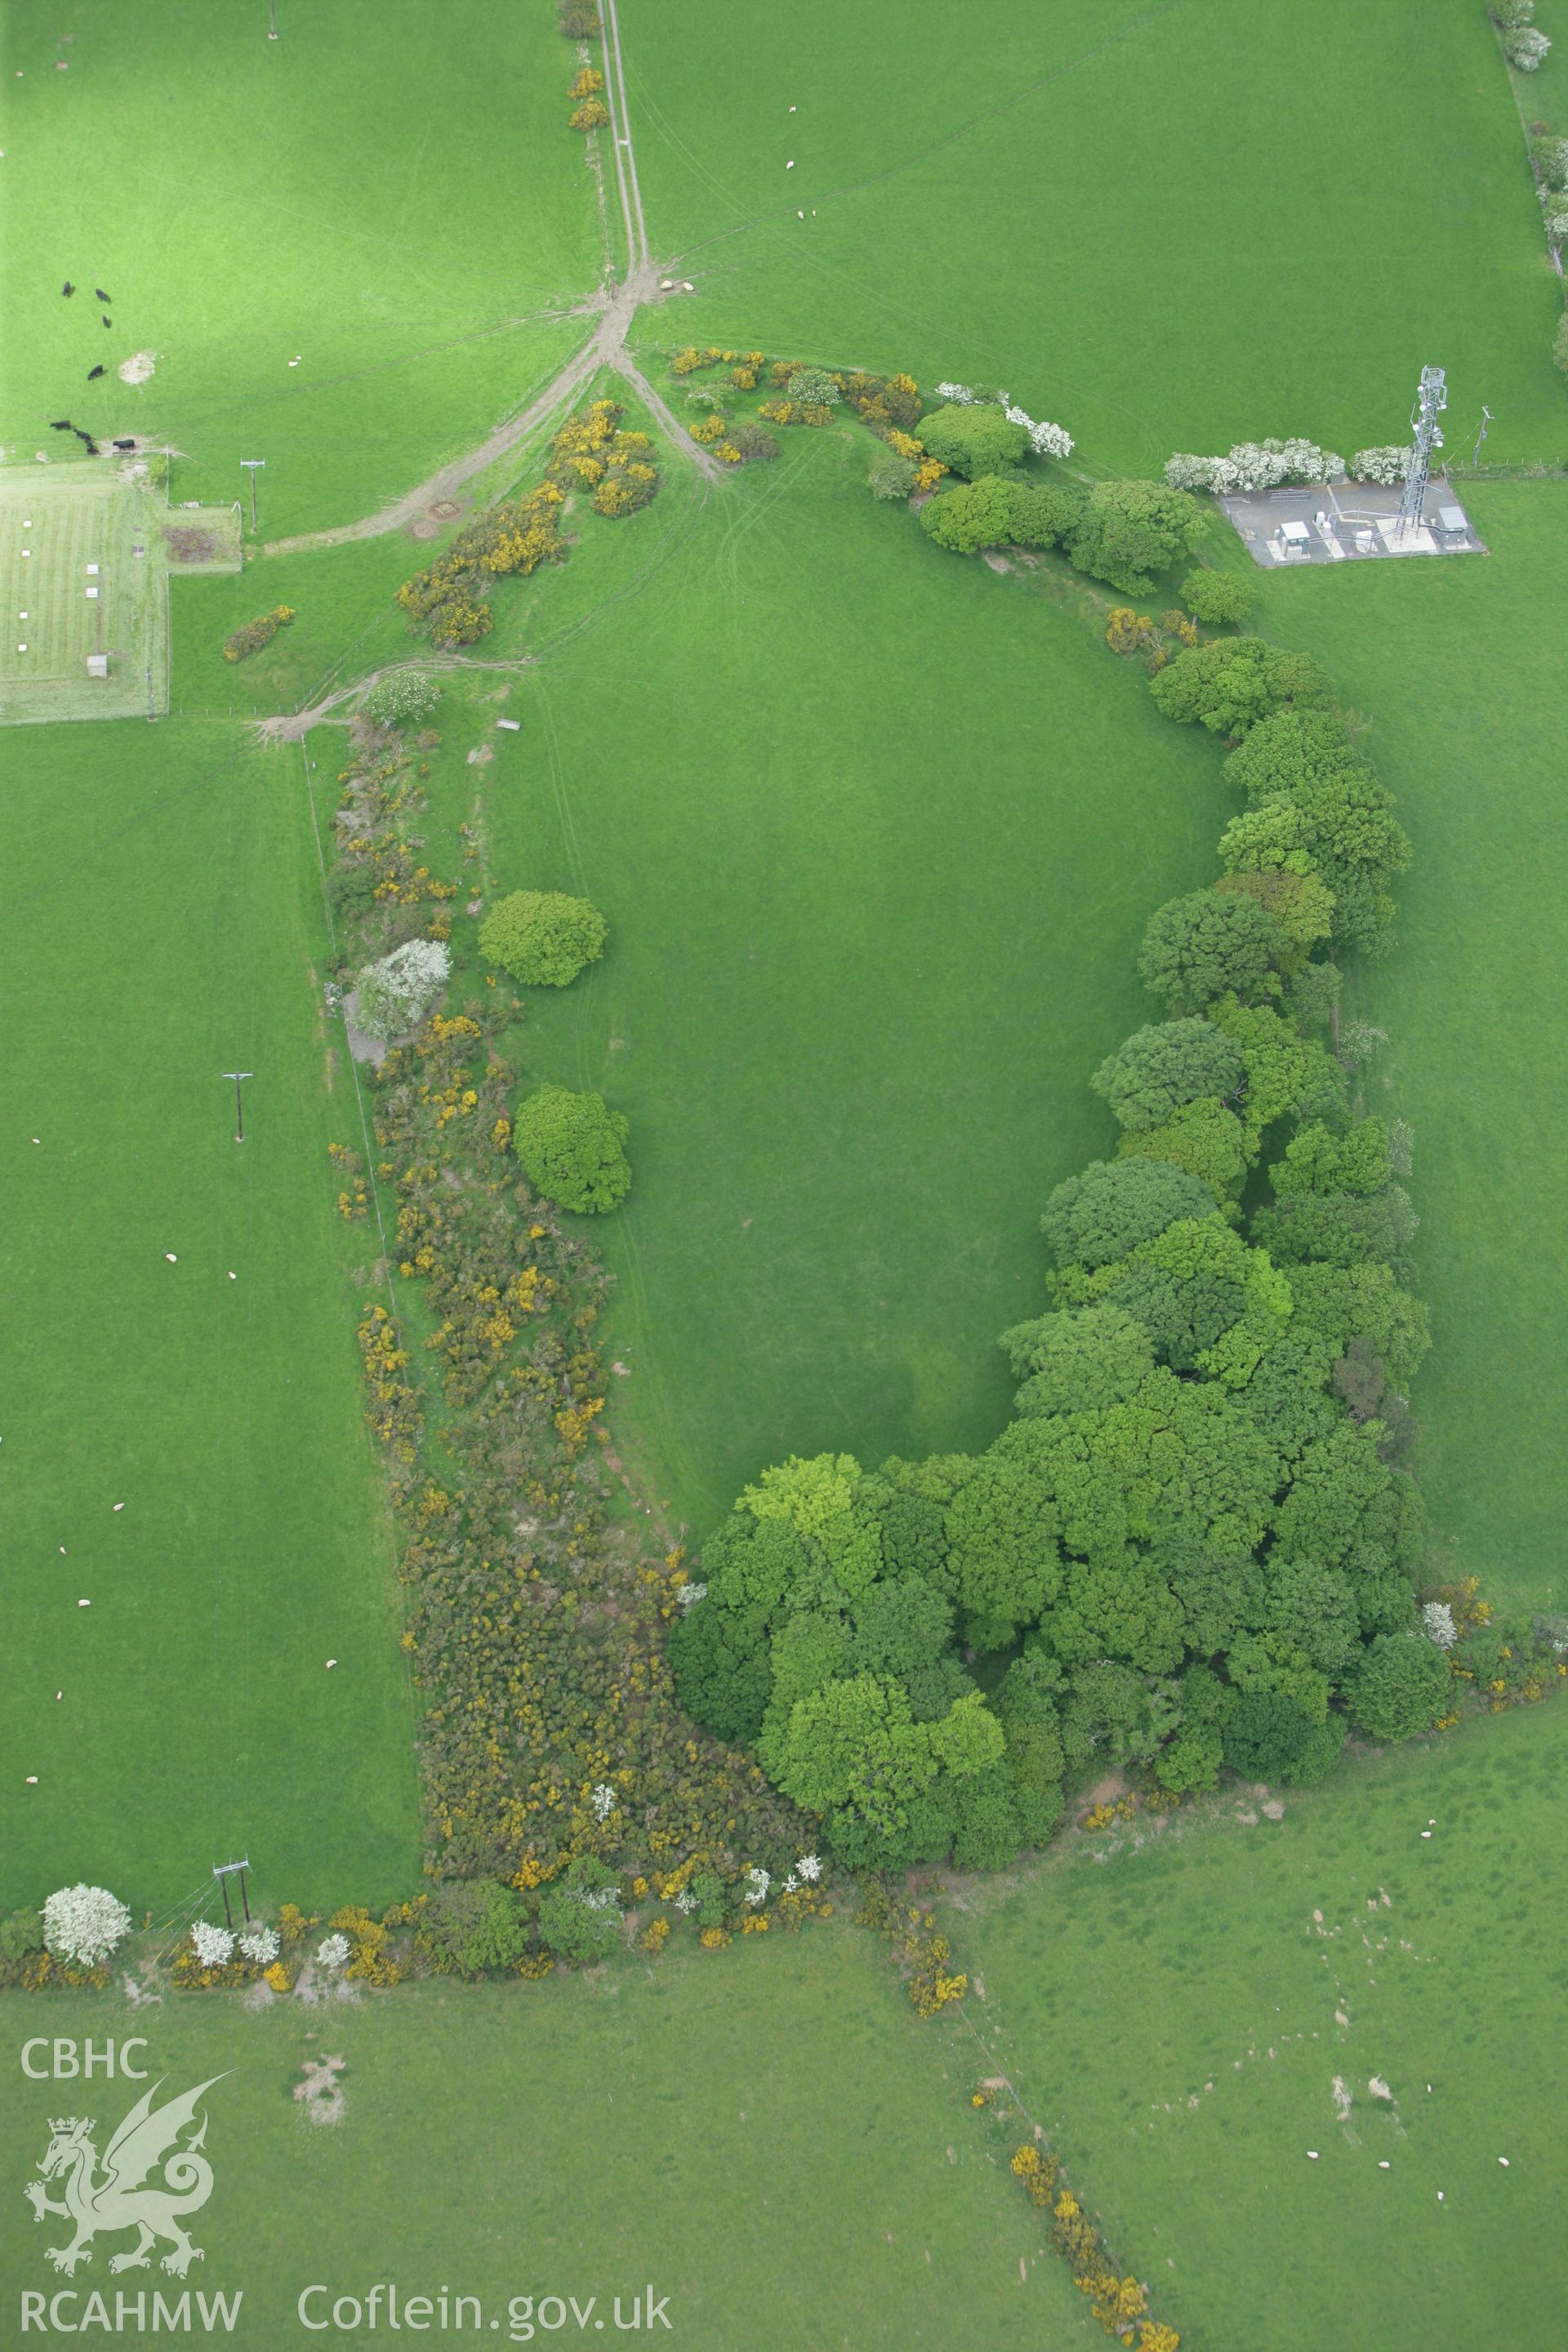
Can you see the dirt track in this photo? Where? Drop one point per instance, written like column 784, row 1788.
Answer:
column 605, row 347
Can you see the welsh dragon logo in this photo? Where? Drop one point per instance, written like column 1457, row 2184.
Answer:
column 125, row 2195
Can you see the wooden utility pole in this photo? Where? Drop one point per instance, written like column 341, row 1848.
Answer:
column 239, row 1077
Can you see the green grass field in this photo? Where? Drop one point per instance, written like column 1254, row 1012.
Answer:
column 877, row 832
column 1458, row 666
column 1168, row 2010
column 1169, row 227
column 162, row 925
column 771, row 2138
column 345, row 626
column 392, row 196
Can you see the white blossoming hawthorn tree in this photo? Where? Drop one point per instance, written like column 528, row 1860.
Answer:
column 85, row 1925
column 1437, row 1619
column 396, row 993
column 1387, row 464
column 1526, row 48
column 1046, row 440
column 213, row 1947
column 1254, row 465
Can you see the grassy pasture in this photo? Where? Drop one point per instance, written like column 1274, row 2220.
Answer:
column 877, row 832
column 388, row 193
column 346, row 626
column 771, row 2136
column 1458, row 667
column 1168, row 227
column 54, row 525
column 1168, row 2010
column 162, row 925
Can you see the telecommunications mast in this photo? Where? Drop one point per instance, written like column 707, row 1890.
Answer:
column 1431, row 399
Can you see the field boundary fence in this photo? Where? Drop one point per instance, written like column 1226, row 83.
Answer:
column 1530, row 469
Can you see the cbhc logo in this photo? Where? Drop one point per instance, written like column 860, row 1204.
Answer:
column 65, row 2059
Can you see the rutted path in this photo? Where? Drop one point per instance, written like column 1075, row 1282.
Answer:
column 625, row 154
column 604, row 347
column 293, row 726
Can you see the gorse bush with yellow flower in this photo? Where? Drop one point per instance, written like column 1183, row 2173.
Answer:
column 536, row 1621
column 594, row 452
column 1119, row 2301
column 591, row 453
column 257, row 632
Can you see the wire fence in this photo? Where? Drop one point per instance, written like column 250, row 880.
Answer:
column 1525, row 469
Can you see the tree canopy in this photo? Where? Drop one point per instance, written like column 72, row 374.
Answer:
column 1401, row 1685
column 1229, row 685
column 1130, row 530
column 572, row 1148
column 542, row 937
column 973, row 516
column 1209, row 945
column 1162, row 1067
column 994, row 512
column 1206, row 1138
column 406, row 693
column 1216, row 597
column 1105, row 1212
column 973, row 440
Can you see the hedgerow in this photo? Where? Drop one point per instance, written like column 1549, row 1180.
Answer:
column 536, row 1621
column 257, row 632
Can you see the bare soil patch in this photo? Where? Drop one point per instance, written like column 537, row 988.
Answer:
column 319, row 2091
column 186, row 544
column 362, row 1048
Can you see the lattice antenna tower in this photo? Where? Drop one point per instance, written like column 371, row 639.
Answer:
column 1431, row 399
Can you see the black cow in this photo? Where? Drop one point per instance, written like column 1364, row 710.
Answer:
column 68, row 287
column 93, row 372
column 101, row 295
column 108, row 322
column 125, row 445
column 61, row 425
column 79, row 433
